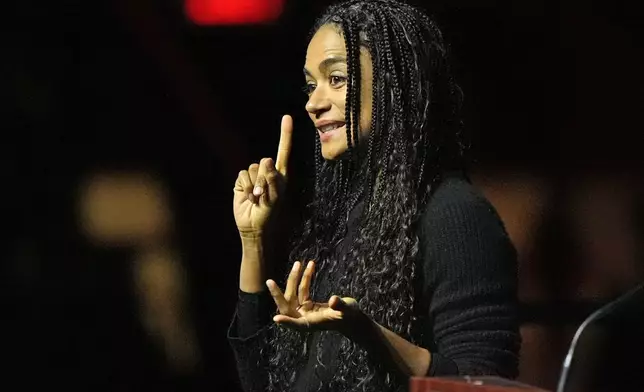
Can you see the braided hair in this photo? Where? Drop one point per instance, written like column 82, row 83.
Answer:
column 416, row 133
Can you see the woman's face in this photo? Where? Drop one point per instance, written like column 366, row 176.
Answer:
column 326, row 80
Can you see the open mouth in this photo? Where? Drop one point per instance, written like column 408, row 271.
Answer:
column 331, row 127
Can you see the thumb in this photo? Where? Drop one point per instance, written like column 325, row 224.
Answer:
column 342, row 304
column 260, row 190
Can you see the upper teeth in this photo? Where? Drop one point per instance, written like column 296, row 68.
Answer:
column 330, row 127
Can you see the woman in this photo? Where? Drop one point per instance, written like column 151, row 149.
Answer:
column 406, row 268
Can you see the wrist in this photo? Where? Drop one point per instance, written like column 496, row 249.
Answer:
column 251, row 241
column 252, row 270
column 251, row 235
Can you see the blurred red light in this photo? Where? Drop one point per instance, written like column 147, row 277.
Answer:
column 233, row 12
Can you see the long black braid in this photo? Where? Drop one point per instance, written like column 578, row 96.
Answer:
column 415, row 135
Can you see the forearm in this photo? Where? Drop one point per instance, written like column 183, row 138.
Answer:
column 397, row 353
column 252, row 274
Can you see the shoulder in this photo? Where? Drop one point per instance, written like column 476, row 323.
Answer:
column 456, row 201
column 460, row 231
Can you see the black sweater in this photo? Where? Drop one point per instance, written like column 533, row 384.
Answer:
column 468, row 273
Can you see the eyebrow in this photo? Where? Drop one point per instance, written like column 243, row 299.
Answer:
column 326, row 63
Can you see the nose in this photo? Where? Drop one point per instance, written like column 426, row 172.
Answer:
column 318, row 102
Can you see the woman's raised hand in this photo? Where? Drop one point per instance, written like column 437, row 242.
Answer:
column 258, row 189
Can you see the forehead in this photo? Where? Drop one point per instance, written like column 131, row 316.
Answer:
column 326, row 41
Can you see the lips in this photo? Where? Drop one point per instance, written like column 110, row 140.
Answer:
column 328, row 126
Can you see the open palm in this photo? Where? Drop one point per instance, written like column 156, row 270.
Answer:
column 298, row 311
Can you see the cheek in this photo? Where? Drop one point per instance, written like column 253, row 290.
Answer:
column 366, row 107
column 340, row 99
column 366, row 91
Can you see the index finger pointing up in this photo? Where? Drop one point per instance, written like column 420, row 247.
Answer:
column 284, row 149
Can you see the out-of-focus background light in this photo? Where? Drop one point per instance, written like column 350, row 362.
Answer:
column 233, row 12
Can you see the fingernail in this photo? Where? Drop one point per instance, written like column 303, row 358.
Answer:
column 258, row 191
column 269, row 164
column 296, row 265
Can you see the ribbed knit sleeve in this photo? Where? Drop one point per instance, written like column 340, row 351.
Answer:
column 248, row 335
column 470, row 280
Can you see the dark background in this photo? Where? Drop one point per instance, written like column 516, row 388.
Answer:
column 554, row 101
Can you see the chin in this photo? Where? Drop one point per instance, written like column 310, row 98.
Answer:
column 329, row 157
column 333, row 154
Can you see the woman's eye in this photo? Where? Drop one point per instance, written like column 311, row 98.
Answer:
column 308, row 88
column 337, row 81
